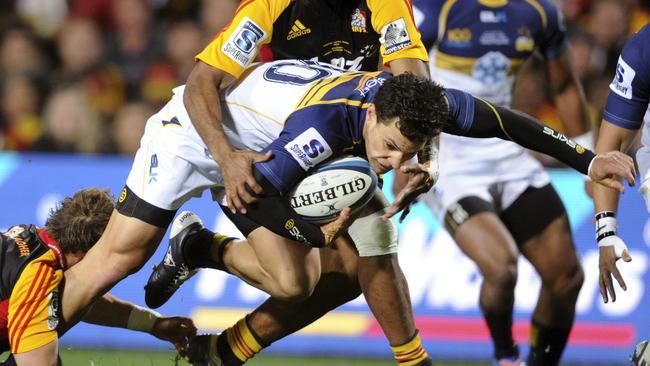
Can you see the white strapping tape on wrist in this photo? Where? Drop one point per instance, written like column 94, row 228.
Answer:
column 142, row 319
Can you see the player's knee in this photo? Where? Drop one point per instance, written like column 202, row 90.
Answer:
column 292, row 286
column 566, row 283
column 503, row 277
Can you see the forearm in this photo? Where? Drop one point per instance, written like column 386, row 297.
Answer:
column 386, row 292
column 570, row 99
column 201, row 99
column 491, row 121
column 111, row 311
column 611, row 138
column 573, row 112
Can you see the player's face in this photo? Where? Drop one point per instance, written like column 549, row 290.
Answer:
column 386, row 147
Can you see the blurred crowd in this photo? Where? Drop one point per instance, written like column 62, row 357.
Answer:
column 84, row 75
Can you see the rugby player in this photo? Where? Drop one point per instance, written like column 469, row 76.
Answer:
column 494, row 198
column 373, row 115
column 350, row 34
column 32, row 262
column 627, row 103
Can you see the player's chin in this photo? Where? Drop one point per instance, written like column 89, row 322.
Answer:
column 379, row 168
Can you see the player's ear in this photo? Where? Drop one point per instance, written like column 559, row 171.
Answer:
column 371, row 115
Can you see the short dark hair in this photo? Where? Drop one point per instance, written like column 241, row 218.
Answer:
column 418, row 103
column 78, row 222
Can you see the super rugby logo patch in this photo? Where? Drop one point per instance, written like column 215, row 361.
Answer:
column 243, row 42
column 395, row 36
column 622, row 83
column 309, row 148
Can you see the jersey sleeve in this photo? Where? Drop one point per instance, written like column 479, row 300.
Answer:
column 630, row 90
column 310, row 136
column 553, row 42
column 399, row 38
column 426, row 14
column 461, row 111
column 236, row 46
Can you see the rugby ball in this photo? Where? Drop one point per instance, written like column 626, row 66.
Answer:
column 641, row 355
column 333, row 185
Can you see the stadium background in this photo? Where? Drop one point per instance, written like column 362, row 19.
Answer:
column 78, row 78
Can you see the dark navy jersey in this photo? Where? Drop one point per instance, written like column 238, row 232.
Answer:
column 471, row 28
column 630, row 90
column 328, row 122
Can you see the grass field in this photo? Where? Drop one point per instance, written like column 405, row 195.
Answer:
column 104, row 357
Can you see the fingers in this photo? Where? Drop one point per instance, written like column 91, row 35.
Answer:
column 390, row 211
column 619, row 278
column 614, row 184
column 406, row 211
column 603, row 289
column 626, row 256
column 257, row 157
column 609, row 286
column 235, row 204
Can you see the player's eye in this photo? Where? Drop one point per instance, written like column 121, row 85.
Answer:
column 391, row 146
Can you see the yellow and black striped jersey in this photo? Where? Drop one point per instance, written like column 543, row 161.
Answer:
column 350, row 34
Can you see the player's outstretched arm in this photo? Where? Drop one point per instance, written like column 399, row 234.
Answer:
column 201, row 100
column 111, row 311
column 611, row 246
column 507, row 124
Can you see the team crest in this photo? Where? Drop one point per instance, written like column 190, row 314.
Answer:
column 359, row 21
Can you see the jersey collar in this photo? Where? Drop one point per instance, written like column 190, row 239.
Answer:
column 54, row 247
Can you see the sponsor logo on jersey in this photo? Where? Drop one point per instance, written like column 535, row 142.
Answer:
column 459, row 37
column 23, row 248
column 494, row 38
column 153, row 164
column 122, row 195
column 489, row 16
column 53, row 310
column 366, row 85
column 524, row 41
column 492, row 68
column 297, row 29
column 243, row 42
column 328, row 194
column 359, row 21
column 395, row 36
column 558, row 136
column 622, row 84
column 309, row 148
column 293, row 230
column 172, row 122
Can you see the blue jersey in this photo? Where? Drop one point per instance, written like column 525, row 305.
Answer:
column 630, row 90
column 470, row 28
column 328, row 122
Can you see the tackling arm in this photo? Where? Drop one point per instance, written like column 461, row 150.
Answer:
column 111, row 311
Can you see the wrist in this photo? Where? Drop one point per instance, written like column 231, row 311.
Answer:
column 142, row 319
column 606, row 226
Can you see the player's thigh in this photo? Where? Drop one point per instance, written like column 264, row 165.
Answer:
column 538, row 221
column 486, row 241
column 281, row 256
column 46, row 355
column 127, row 236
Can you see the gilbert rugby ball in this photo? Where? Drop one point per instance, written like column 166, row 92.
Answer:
column 333, row 185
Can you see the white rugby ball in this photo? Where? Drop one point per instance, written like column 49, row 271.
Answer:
column 333, row 185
